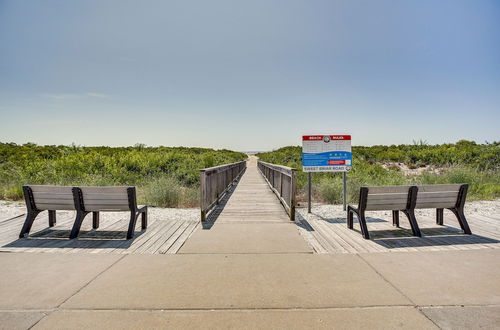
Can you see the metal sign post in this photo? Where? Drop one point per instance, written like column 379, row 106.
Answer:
column 309, row 189
column 326, row 153
column 344, row 187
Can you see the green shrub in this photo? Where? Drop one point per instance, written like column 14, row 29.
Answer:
column 462, row 162
column 165, row 192
column 175, row 168
column 330, row 191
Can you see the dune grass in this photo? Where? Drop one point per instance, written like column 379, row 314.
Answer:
column 462, row 162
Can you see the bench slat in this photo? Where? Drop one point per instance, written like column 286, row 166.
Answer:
column 388, row 207
column 65, row 200
column 119, row 196
column 43, row 206
column 105, row 190
column 387, row 196
column 437, row 199
column 51, row 189
column 106, row 207
column 437, row 194
column 387, row 189
column 105, row 202
column 435, row 205
column 439, row 187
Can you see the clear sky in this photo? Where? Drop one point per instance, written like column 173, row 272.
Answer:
column 248, row 75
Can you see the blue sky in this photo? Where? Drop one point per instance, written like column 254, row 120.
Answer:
column 248, row 75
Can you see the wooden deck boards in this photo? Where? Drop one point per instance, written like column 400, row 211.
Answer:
column 161, row 236
column 331, row 235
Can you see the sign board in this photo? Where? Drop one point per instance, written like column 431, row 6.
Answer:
column 326, row 153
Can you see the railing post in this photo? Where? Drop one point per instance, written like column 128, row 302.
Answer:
column 293, row 190
column 281, row 184
column 203, row 188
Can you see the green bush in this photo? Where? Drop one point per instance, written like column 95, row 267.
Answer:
column 168, row 192
column 164, row 171
column 330, row 191
column 462, row 162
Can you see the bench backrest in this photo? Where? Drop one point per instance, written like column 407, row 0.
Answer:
column 49, row 197
column 438, row 196
column 385, row 198
column 107, row 198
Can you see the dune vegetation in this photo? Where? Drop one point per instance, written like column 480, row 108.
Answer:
column 419, row 163
column 167, row 177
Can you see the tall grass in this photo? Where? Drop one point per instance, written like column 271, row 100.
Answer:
column 167, row 192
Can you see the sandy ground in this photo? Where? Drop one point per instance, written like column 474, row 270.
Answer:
column 10, row 209
column 485, row 208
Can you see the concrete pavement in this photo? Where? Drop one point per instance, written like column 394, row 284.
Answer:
column 390, row 290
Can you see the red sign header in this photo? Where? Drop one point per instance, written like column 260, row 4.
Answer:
column 321, row 137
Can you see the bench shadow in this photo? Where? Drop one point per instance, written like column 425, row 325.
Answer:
column 433, row 236
column 91, row 239
column 344, row 220
column 301, row 222
column 217, row 210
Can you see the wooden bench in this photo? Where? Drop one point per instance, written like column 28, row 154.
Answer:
column 83, row 200
column 407, row 199
column 388, row 198
column 107, row 199
column 444, row 196
column 45, row 198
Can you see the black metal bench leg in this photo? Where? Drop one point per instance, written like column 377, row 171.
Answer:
column 362, row 224
column 350, row 220
column 439, row 217
column 131, row 225
column 395, row 218
column 30, row 217
column 144, row 219
column 78, row 224
column 95, row 220
column 52, row 218
column 462, row 221
column 413, row 223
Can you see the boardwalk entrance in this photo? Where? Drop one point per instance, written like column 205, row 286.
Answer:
column 252, row 221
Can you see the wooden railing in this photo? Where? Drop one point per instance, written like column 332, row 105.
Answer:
column 282, row 181
column 215, row 181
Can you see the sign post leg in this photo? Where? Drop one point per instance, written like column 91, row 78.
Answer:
column 344, row 184
column 309, row 188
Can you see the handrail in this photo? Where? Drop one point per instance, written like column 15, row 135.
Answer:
column 282, row 181
column 214, row 183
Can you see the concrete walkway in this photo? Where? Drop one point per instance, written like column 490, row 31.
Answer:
column 251, row 271
column 417, row 290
